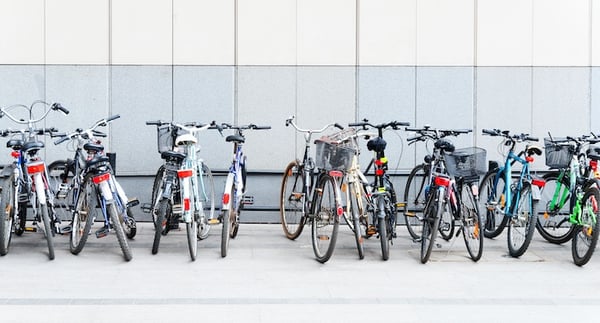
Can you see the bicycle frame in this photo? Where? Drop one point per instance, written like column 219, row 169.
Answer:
column 234, row 176
column 524, row 175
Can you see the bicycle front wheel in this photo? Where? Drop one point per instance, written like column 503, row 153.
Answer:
column 7, row 213
column 227, row 219
column 491, row 204
column 471, row 223
column 83, row 216
column 48, row 230
column 206, row 194
column 292, row 200
column 354, row 211
column 522, row 223
column 118, row 227
column 414, row 200
column 325, row 220
column 586, row 234
column 382, row 228
column 553, row 224
column 431, row 222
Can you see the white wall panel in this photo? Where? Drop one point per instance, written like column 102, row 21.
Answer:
column 267, row 32
column 77, row 32
column 504, row 32
column 561, row 33
column 595, row 33
column 326, row 32
column 141, row 32
column 387, row 32
column 445, row 32
column 203, row 32
column 22, row 32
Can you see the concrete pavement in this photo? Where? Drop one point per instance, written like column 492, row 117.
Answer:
column 268, row 278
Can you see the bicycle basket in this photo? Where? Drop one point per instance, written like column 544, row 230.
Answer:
column 333, row 156
column 466, row 162
column 558, row 155
column 164, row 136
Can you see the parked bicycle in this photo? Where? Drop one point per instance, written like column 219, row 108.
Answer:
column 384, row 211
column 568, row 207
column 183, row 189
column 87, row 190
column 310, row 191
column 420, row 179
column 25, row 180
column 235, row 184
column 510, row 203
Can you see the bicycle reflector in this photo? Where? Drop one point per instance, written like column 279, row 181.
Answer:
column 226, row 197
column 15, row 154
column 184, row 173
column 529, row 159
column 35, row 168
column 538, row 182
column 186, row 204
column 101, row 178
column 379, row 172
column 442, row 181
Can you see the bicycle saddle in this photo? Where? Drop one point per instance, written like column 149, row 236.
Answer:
column 376, row 144
column 534, row 150
column 97, row 160
column 172, row 155
column 444, row 145
column 593, row 150
column 93, row 147
column 236, row 138
column 33, row 146
column 15, row 144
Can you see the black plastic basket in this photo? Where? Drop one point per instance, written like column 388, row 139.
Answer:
column 558, row 155
column 164, row 138
column 466, row 162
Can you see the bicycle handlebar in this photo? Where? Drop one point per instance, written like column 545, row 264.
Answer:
column 290, row 121
column 88, row 133
column 506, row 134
column 53, row 107
column 393, row 124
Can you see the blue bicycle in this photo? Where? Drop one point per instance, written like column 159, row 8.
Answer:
column 507, row 203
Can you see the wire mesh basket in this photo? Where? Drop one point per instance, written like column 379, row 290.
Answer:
column 332, row 155
column 165, row 138
column 558, row 155
column 466, row 162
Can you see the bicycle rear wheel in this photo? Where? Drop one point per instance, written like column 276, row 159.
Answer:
column 292, row 200
column 431, row 221
column 325, row 220
column 522, row 223
column 159, row 213
column 554, row 225
column 414, row 200
column 83, row 216
column 491, row 204
column 48, row 232
column 118, row 227
column 58, row 179
column 586, row 234
column 355, row 213
column 471, row 223
column 7, row 213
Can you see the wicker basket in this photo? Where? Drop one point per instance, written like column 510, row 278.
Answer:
column 333, row 156
column 466, row 162
column 558, row 155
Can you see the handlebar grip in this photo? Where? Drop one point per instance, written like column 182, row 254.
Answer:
column 262, row 127
column 413, row 139
column 489, row 132
column 99, row 133
column 463, row 130
column 339, row 126
column 116, row 116
column 154, row 123
column 61, row 140
column 532, row 138
column 57, row 106
column 357, row 124
column 403, row 123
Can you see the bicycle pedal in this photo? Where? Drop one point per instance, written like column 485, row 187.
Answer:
column 102, row 232
column 133, row 202
column 410, row 214
column 400, row 204
column 146, row 207
column 247, row 200
column 371, row 230
column 214, row 221
column 30, row 229
column 177, row 209
column 65, row 230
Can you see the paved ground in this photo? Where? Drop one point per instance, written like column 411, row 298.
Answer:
column 267, row 278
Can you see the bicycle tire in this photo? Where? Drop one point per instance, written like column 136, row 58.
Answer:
column 325, row 219
column 235, row 217
column 7, row 216
column 521, row 225
column 446, row 227
column 554, row 226
column 493, row 219
column 160, row 222
column 431, row 221
column 83, row 216
column 586, row 236
column 414, row 200
column 226, row 230
column 292, row 200
column 206, row 193
column 47, row 230
column 471, row 223
column 129, row 224
column 22, row 223
column 62, row 204
column 354, row 210
column 192, row 238
column 382, row 228
column 118, row 227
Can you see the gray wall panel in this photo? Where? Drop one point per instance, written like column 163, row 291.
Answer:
column 595, row 100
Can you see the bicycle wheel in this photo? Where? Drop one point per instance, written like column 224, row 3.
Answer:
column 354, row 211
column 7, row 213
column 118, row 227
column 345, row 190
column 206, row 194
column 471, row 223
column 129, row 224
column 382, row 228
column 446, row 227
column 522, row 224
column 83, row 216
column 191, row 229
column 58, row 179
column 292, row 201
column 325, row 219
column 227, row 226
column 47, row 229
column 431, row 221
column 553, row 224
column 415, row 196
column 586, row 234
column 491, row 204
column 159, row 218
column 19, row 226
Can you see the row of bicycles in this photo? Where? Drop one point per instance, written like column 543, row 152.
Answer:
column 453, row 191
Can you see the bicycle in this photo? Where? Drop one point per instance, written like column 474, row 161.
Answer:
column 183, row 187
column 235, row 184
column 420, row 178
column 570, row 198
column 511, row 203
column 310, row 191
column 25, row 180
column 384, row 209
column 68, row 179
